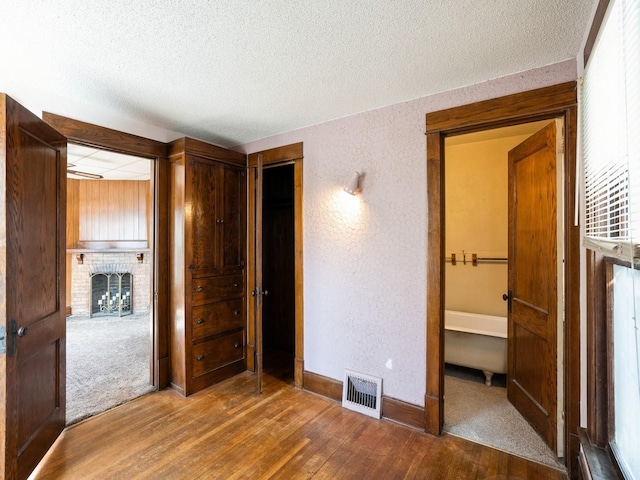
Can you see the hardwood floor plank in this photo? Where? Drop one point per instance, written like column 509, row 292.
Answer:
column 228, row 431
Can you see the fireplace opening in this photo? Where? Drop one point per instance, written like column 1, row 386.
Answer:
column 111, row 292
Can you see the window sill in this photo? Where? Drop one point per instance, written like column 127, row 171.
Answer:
column 595, row 462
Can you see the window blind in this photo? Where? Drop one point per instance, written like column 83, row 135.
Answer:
column 611, row 134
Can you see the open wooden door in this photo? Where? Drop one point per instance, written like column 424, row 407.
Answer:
column 258, row 292
column 533, row 280
column 32, row 288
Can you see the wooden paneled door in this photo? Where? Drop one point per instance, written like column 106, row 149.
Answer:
column 32, row 296
column 533, row 281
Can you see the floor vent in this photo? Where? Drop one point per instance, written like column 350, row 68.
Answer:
column 362, row 393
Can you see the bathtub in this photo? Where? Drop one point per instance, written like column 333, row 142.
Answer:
column 476, row 341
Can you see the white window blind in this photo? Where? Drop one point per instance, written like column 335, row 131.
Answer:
column 611, row 134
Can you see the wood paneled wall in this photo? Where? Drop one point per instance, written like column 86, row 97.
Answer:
column 108, row 213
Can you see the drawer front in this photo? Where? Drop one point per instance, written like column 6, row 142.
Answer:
column 207, row 290
column 216, row 353
column 217, row 317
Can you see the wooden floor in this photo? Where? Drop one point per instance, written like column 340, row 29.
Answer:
column 228, row 431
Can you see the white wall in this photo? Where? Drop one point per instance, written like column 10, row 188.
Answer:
column 365, row 264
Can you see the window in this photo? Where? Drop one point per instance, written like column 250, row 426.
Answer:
column 624, row 308
column 610, row 113
column 611, row 144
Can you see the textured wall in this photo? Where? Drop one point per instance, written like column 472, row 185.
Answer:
column 365, row 260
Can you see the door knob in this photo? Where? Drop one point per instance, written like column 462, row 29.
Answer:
column 507, row 297
column 22, row 331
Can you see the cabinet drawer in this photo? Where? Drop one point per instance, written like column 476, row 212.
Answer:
column 208, row 356
column 206, row 290
column 217, row 317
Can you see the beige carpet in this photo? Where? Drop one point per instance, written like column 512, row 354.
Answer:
column 483, row 414
column 108, row 361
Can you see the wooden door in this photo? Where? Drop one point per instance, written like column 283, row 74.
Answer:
column 231, row 217
column 532, row 347
column 201, row 201
column 257, row 292
column 32, row 296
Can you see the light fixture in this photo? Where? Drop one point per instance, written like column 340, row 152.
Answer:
column 354, row 184
column 93, row 176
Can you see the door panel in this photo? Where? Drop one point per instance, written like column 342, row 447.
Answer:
column 35, row 211
column 532, row 386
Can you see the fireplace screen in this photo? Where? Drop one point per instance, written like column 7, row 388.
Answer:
column 111, row 293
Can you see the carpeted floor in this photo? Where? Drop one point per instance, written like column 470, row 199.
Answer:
column 483, row 414
column 108, row 362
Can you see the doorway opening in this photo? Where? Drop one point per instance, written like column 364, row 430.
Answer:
column 110, row 223
column 278, row 271
column 477, row 230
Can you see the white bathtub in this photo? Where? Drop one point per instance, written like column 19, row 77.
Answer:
column 476, row 341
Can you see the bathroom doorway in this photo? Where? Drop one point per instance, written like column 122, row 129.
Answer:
column 557, row 101
column 477, row 230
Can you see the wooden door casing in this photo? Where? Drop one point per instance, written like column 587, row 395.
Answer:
column 288, row 154
column 532, row 347
column 33, row 388
column 556, row 101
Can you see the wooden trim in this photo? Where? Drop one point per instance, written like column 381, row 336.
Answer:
column 286, row 153
column 598, row 18
column 434, row 397
column 105, row 138
column 299, row 272
column 403, row 412
column 160, row 296
column 510, row 110
column 325, row 386
column 572, row 238
column 392, row 408
column 192, row 146
column 597, row 371
column 548, row 102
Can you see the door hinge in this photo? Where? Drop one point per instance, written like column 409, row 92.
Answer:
column 11, row 339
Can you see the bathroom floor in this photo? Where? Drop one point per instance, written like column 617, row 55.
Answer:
column 483, row 414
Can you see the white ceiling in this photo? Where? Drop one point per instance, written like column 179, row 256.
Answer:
column 233, row 71
column 109, row 165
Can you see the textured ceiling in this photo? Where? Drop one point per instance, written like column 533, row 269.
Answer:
column 233, row 71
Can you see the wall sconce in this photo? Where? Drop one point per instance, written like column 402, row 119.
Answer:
column 353, row 186
column 80, row 258
column 140, row 257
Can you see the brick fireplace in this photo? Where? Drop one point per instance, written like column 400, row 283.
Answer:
column 140, row 278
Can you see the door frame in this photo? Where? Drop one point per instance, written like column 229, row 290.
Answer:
column 274, row 157
column 540, row 104
column 95, row 136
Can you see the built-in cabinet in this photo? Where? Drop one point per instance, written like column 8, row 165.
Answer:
column 208, row 286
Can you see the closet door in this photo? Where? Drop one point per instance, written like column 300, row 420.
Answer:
column 201, row 216
column 231, row 218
